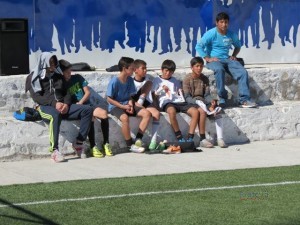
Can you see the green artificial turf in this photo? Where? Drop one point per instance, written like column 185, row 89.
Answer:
column 251, row 205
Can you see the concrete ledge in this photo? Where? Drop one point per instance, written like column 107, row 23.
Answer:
column 21, row 140
column 268, row 84
column 276, row 87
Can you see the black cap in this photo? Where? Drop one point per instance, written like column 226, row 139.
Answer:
column 64, row 65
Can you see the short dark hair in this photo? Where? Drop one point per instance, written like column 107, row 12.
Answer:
column 222, row 16
column 125, row 62
column 64, row 65
column 196, row 60
column 138, row 62
column 169, row 65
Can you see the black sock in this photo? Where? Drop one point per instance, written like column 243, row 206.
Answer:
column 202, row 136
column 178, row 135
column 190, row 136
column 139, row 135
column 91, row 135
column 129, row 142
column 105, row 130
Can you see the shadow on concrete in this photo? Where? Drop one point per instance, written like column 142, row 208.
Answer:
column 33, row 218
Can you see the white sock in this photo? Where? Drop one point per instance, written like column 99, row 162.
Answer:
column 155, row 126
column 141, row 100
column 219, row 127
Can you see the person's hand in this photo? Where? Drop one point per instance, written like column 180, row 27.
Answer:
column 213, row 59
column 128, row 108
column 79, row 103
column 64, row 109
column 59, row 106
column 166, row 89
column 233, row 58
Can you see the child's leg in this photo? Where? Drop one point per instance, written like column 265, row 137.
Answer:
column 53, row 117
column 193, row 113
column 91, row 135
column 146, row 116
column 125, row 127
column 202, row 123
column 155, row 123
column 219, row 127
column 144, row 92
column 102, row 115
column 171, row 110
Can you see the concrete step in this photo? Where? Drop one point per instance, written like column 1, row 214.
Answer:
column 21, row 140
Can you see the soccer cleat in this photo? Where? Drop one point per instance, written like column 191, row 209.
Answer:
column 138, row 142
column 57, row 157
column 79, row 149
column 96, row 152
column 206, row 144
column 108, row 150
column 190, row 140
column 172, row 149
column 221, row 143
column 152, row 146
column 136, row 149
column 181, row 140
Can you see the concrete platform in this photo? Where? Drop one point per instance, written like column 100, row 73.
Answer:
column 255, row 155
column 276, row 88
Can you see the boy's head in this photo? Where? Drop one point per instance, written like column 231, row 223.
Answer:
column 66, row 68
column 168, row 67
column 140, row 67
column 126, row 65
column 222, row 21
column 197, row 64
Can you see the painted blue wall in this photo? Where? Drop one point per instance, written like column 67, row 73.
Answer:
column 103, row 24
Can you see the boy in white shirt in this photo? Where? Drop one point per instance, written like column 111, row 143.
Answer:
column 169, row 92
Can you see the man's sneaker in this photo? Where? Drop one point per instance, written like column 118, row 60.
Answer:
column 57, row 157
column 136, row 149
column 108, row 150
column 206, row 144
column 248, row 104
column 172, row 150
column 138, row 142
column 221, row 143
column 152, row 146
column 96, row 152
column 79, row 149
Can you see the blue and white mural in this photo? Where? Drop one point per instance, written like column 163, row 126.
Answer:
column 100, row 31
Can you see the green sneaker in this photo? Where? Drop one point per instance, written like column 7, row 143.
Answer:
column 138, row 142
column 162, row 145
column 96, row 152
column 152, row 145
column 107, row 149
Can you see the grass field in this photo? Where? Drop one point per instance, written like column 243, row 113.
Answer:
column 252, row 196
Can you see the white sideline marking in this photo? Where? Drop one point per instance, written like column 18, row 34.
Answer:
column 148, row 193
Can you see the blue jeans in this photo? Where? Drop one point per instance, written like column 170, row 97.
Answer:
column 237, row 71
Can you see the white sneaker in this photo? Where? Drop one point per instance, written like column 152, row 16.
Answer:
column 221, row 143
column 136, row 149
column 79, row 149
column 57, row 157
column 206, row 144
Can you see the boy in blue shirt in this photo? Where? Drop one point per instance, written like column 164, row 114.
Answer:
column 79, row 90
column 119, row 93
column 214, row 48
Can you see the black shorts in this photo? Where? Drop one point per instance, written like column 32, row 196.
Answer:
column 180, row 107
column 117, row 112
